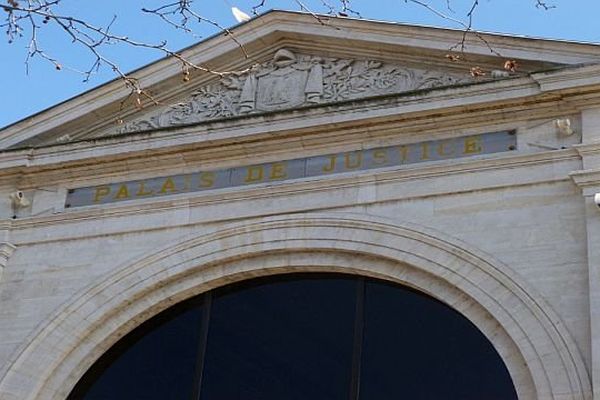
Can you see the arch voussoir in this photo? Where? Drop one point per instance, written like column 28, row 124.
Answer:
column 540, row 355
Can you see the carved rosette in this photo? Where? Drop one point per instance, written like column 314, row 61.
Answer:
column 291, row 81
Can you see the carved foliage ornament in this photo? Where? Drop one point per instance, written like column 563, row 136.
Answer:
column 289, row 81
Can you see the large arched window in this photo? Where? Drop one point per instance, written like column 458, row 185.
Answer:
column 302, row 337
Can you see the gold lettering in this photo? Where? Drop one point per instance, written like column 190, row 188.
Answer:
column 255, row 174
column 403, row 153
column 331, row 166
column 380, row 157
column 278, row 171
column 142, row 190
column 473, row 145
column 168, row 186
column 101, row 192
column 207, row 179
column 122, row 193
column 353, row 164
column 425, row 151
column 443, row 150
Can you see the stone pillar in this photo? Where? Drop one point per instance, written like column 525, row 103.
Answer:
column 588, row 179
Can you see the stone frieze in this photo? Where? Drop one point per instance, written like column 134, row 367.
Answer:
column 293, row 80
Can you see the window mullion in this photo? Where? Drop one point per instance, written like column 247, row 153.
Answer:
column 359, row 327
column 202, row 343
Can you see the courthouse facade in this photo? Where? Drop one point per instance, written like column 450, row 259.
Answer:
column 384, row 217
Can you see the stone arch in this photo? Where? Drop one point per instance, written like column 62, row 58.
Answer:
column 538, row 351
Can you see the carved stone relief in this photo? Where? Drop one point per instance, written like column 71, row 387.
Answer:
column 293, row 80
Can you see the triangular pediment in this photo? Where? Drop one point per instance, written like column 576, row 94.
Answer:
column 291, row 62
column 294, row 80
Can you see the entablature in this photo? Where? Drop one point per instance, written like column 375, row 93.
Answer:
column 439, row 113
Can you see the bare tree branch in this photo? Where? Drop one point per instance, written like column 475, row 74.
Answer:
column 544, row 5
column 182, row 8
column 27, row 18
column 467, row 26
column 35, row 13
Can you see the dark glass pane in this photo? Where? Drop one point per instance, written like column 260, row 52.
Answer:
column 294, row 338
column 418, row 348
column 290, row 339
column 156, row 361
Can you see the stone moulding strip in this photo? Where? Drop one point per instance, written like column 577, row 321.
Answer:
column 258, row 192
column 149, row 208
column 286, row 170
column 252, row 126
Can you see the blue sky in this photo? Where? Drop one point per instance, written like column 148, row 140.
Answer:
column 24, row 94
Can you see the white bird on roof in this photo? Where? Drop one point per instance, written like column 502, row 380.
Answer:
column 239, row 15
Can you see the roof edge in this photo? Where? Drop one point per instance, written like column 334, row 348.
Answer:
column 12, row 133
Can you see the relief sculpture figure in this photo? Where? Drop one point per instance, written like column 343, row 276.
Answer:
column 288, row 83
column 292, row 80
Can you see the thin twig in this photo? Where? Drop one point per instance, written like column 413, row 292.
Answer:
column 467, row 27
column 36, row 13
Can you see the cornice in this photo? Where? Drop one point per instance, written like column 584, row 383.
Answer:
column 425, row 37
column 588, row 149
column 568, row 78
column 443, row 103
column 587, row 180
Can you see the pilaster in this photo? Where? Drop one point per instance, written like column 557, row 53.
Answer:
column 588, row 179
